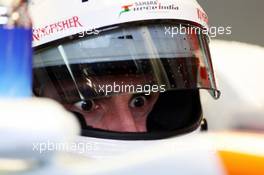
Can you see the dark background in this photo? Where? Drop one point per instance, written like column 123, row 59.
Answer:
column 246, row 17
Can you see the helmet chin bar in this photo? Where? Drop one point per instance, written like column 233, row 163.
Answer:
column 161, row 122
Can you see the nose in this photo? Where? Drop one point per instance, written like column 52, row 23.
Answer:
column 119, row 116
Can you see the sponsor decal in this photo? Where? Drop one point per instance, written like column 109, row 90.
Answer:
column 126, row 8
column 202, row 16
column 60, row 26
column 148, row 6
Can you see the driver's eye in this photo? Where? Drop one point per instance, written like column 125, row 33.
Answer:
column 138, row 101
column 85, row 105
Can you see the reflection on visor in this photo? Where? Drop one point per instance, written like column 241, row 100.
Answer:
column 126, row 69
column 102, row 79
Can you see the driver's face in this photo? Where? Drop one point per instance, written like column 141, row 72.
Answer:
column 124, row 113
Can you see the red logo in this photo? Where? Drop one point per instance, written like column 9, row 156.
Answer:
column 60, row 26
column 202, row 16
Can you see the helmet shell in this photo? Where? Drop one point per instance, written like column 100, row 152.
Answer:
column 67, row 18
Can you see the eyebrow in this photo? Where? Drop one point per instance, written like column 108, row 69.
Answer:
column 141, row 94
column 71, row 94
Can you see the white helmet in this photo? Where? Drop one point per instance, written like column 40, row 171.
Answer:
column 92, row 50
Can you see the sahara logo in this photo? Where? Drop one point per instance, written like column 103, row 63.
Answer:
column 125, row 9
column 148, row 6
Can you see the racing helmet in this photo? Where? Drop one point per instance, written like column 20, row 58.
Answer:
column 89, row 52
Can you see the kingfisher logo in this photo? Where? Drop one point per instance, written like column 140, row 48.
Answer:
column 148, row 6
column 57, row 27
